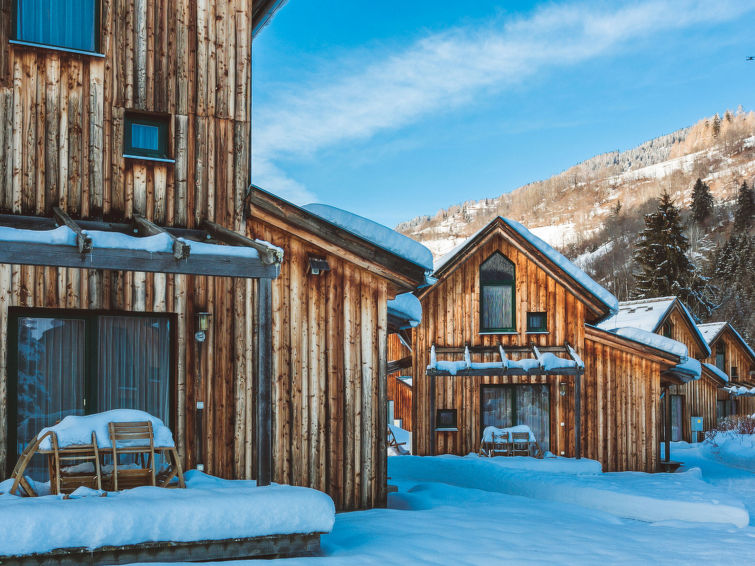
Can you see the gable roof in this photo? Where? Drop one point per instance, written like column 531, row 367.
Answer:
column 713, row 330
column 650, row 314
column 342, row 232
column 541, row 253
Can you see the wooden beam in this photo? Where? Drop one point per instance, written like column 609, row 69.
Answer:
column 181, row 250
column 502, row 372
column 264, row 381
column 578, row 415
column 268, row 254
column 22, row 253
column 83, row 242
column 496, row 349
column 397, row 365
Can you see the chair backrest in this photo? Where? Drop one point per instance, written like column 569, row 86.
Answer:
column 520, row 436
column 128, row 435
column 500, row 439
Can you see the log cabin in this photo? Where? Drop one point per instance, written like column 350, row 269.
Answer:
column 734, row 357
column 136, row 255
column 510, row 335
column 669, row 317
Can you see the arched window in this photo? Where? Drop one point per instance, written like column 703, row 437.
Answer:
column 497, row 277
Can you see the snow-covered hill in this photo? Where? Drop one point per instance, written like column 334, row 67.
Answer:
column 567, row 208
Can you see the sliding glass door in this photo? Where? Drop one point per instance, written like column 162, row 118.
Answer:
column 509, row 405
column 76, row 363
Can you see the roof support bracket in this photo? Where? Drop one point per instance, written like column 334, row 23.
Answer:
column 181, row 250
column 83, row 242
column 268, row 254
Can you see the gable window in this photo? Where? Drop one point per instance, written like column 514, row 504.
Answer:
column 668, row 330
column 537, row 322
column 497, row 276
column 721, row 357
column 145, row 136
column 65, row 24
column 445, row 419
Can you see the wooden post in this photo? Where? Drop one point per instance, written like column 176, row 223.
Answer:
column 264, row 378
column 577, row 414
column 432, row 415
column 667, row 422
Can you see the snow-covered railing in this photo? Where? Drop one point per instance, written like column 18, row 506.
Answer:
column 740, row 391
column 533, row 360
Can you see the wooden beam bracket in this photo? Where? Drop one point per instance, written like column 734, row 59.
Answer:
column 269, row 254
column 181, row 250
column 83, row 242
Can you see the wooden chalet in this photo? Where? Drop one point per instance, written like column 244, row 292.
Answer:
column 131, row 126
column 732, row 355
column 506, row 296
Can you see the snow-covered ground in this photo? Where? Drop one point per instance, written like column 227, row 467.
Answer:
column 467, row 511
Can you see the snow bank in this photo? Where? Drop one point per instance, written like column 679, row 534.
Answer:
column 406, row 307
column 378, row 234
column 632, row 495
column 61, row 236
column 78, row 429
column 721, row 374
column 208, row 509
column 733, row 448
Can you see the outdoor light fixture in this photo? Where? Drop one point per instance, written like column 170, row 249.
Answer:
column 317, row 265
column 203, row 325
column 562, row 389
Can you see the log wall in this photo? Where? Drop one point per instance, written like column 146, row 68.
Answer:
column 738, row 357
column 329, row 371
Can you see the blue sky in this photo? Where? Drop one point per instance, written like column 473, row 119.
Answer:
column 396, row 109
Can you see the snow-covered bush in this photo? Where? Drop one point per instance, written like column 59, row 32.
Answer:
column 736, row 424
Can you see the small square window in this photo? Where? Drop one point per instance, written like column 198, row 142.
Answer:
column 537, row 322
column 445, row 419
column 146, row 135
column 67, row 24
column 734, row 372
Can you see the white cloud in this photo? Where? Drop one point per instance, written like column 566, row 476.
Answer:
column 445, row 70
column 268, row 176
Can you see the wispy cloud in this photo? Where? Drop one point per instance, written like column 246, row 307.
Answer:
column 448, row 70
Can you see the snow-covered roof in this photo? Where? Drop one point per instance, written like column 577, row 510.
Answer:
column 653, row 340
column 377, row 234
column 690, row 367
column 720, row 374
column 584, row 280
column 647, row 314
column 406, row 307
column 711, row 331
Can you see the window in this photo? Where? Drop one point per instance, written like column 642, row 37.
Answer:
column 497, row 276
column 668, row 330
column 66, row 24
column 721, row 357
column 503, row 406
column 146, row 136
column 537, row 322
column 445, row 419
column 734, row 372
column 75, row 363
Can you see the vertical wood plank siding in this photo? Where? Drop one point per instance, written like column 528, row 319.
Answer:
column 738, row 357
column 329, row 389
column 401, row 395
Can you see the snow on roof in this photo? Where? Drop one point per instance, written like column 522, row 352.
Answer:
column 406, row 307
column 721, row 375
column 645, row 314
column 375, row 233
column 75, row 429
column 710, row 330
column 599, row 292
column 654, row 341
column 691, row 367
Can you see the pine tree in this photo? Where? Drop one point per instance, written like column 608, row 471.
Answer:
column 743, row 216
column 702, row 202
column 663, row 267
column 733, row 265
column 716, row 125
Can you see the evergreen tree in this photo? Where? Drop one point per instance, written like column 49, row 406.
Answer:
column 743, row 216
column 716, row 125
column 663, row 267
column 702, row 202
column 733, row 266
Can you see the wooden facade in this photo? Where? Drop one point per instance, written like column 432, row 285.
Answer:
column 61, row 145
column 619, row 400
column 400, row 392
column 739, row 365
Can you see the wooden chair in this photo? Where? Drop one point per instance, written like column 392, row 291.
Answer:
column 520, row 443
column 501, row 444
column 19, row 480
column 132, row 438
column 74, row 466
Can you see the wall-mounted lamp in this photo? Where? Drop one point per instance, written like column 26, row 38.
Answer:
column 203, row 325
column 317, row 265
column 562, row 389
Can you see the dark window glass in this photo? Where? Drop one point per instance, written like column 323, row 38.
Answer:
column 71, row 24
column 445, row 418
column 509, row 405
column 677, row 417
column 537, row 322
column 146, row 135
column 81, row 364
column 721, row 357
column 734, row 372
column 497, row 276
column 668, row 330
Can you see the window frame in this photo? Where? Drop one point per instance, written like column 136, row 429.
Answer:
column 721, row 351
column 497, row 283
column 537, row 329
column 16, row 40
column 90, row 379
column 162, row 122
column 452, row 428
column 667, row 330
